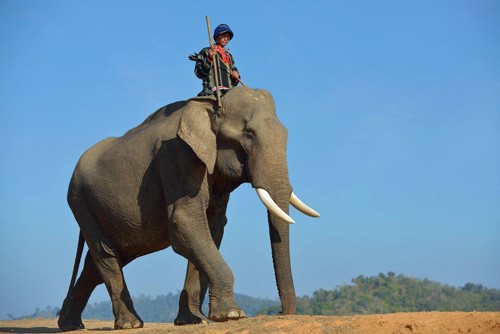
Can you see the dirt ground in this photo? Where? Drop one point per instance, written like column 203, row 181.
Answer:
column 425, row 322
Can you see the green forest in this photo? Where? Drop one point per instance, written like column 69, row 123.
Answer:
column 390, row 293
column 385, row 293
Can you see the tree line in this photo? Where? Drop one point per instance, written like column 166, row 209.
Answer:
column 390, row 294
column 385, row 293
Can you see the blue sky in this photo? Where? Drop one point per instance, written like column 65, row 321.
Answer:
column 392, row 107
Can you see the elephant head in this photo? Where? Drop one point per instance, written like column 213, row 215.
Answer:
column 244, row 141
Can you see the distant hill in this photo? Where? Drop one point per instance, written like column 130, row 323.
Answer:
column 366, row 295
column 390, row 294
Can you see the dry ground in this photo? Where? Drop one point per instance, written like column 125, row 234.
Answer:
column 425, row 322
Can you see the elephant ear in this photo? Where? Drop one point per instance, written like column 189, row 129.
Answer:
column 196, row 130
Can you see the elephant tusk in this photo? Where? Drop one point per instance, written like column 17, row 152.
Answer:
column 272, row 206
column 302, row 207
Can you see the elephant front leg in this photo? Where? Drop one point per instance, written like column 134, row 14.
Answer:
column 191, row 238
column 192, row 297
column 196, row 283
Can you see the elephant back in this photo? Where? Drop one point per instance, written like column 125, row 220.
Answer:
column 160, row 115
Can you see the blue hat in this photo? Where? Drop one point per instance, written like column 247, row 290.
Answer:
column 222, row 28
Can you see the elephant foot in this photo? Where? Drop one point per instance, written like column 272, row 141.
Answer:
column 128, row 322
column 190, row 318
column 66, row 324
column 225, row 311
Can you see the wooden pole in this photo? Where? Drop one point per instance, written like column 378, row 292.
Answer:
column 216, row 73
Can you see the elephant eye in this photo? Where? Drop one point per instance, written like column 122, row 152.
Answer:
column 249, row 135
column 248, row 141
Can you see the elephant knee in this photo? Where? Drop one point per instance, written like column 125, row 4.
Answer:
column 179, row 237
column 178, row 247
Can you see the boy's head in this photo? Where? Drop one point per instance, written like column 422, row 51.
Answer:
column 223, row 29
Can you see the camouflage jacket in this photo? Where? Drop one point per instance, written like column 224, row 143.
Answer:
column 205, row 71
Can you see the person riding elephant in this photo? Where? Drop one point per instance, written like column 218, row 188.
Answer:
column 166, row 183
column 227, row 72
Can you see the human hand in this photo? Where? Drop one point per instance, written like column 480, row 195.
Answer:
column 212, row 52
column 235, row 75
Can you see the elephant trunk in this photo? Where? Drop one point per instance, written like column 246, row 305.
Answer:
column 279, row 190
column 269, row 171
column 280, row 245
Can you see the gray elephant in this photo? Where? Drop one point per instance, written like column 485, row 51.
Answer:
column 166, row 183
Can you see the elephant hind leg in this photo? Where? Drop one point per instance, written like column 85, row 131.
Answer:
column 70, row 316
column 109, row 265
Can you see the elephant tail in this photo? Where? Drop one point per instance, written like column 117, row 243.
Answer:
column 78, row 258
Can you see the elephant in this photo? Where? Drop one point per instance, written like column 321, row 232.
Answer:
column 166, row 183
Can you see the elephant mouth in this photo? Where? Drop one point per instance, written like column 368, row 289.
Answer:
column 271, row 205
